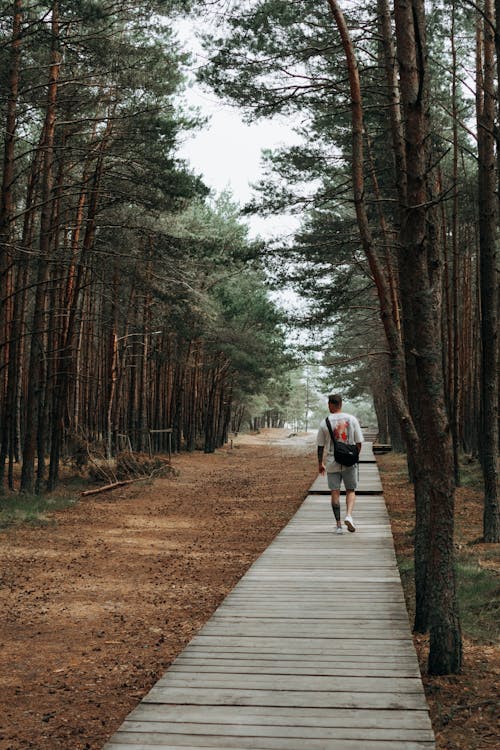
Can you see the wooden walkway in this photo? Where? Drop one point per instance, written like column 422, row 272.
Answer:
column 312, row 649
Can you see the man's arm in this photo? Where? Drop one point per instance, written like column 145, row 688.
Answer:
column 321, row 465
column 358, row 434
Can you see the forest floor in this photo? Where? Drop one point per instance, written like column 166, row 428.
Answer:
column 99, row 598
column 464, row 708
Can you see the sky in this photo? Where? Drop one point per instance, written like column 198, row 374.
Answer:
column 227, row 151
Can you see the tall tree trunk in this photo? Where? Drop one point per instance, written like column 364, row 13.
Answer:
column 396, row 357
column 113, row 368
column 488, row 206
column 35, row 377
column 6, row 253
column 447, row 317
column 421, row 552
column 403, row 375
column 417, row 262
column 143, row 424
column 394, row 97
column 17, row 358
column 73, row 302
column 497, row 51
column 456, row 395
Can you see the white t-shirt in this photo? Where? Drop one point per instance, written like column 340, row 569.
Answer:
column 346, row 429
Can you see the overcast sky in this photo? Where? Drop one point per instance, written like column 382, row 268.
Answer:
column 227, row 152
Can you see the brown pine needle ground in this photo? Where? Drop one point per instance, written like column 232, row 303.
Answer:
column 464, row 708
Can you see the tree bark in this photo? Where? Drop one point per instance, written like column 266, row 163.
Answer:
column 456, row 394
column 7, row 323
column 488, row 209
column 403, row 374
column 397, row 368
column 66, row 358
column 35, row 378
column 497, row 50
column 418, row 263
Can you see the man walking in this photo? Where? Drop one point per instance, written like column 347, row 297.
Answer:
column 345, row 428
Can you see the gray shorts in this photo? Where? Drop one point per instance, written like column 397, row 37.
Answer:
column 349, row 475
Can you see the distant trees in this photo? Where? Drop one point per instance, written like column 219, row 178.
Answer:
column 119, row 313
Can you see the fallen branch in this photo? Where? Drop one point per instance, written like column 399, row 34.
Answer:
column 110, row 486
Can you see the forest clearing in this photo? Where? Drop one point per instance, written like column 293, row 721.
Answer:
column 110, row 590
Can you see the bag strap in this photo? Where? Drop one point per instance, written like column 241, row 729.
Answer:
column 330, row 430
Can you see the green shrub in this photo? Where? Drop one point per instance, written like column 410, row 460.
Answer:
column 478, row 595
column 23, row 508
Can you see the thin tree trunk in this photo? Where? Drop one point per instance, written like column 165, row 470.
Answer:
column 67, row 355
column 17, row 360
column 456, row 390
column 37, row 353
column 7, row 323
column 497, row 51
column 447, row 317
column 488, row 206
column 394, row 95
column 113, row 368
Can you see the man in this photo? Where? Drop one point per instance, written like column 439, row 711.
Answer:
column 345, row 428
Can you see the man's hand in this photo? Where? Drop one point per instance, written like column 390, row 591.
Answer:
column 322, row 469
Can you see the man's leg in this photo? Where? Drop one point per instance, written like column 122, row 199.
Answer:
column 350, row 499
column 336, row 507
column 334, row 487
column 350, row 478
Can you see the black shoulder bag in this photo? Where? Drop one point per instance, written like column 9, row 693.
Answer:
column 344, row 453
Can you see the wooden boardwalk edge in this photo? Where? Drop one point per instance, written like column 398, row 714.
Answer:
column 311, row 650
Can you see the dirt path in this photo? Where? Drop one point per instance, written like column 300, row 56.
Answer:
column 97, row 603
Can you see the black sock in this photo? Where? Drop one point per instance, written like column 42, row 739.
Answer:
column 336, row 512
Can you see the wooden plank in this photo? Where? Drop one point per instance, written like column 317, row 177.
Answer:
column 298, row 682
column 329, row 661
column 260, row 666
column 138, row 743
column 220, row 696
column 231, row 623
column 172, row 728
column 326, row 661
column 309, row 645
column 342, row 630
column 279, row 716
column 347, row 596
column 375, row 652
column 388, row 613
column 383, row 604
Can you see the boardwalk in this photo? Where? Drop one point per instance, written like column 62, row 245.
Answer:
column 311, row 650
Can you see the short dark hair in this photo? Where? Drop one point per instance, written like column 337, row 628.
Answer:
column 335, row 398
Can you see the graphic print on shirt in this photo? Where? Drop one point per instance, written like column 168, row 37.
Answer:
column 341, row 430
